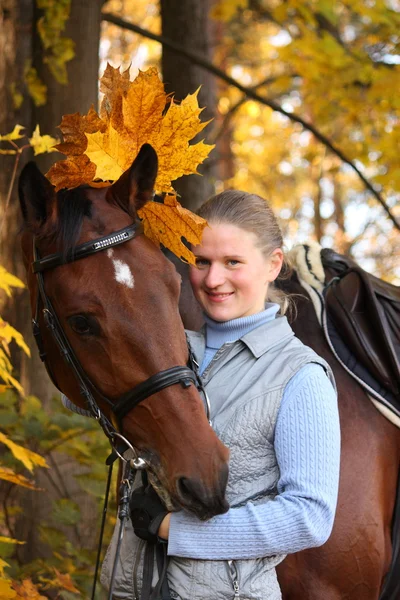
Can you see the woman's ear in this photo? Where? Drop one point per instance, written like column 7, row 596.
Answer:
column 275, row 262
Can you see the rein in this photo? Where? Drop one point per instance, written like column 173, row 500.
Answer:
column 183, row 375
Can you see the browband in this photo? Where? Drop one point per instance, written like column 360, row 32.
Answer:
column 88, row 248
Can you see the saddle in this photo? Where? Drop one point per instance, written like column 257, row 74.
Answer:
column 365, row 311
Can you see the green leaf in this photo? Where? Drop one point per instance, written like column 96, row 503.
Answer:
column 93, row 487
column 66, row 512
column 8, row 418
column 52, row 536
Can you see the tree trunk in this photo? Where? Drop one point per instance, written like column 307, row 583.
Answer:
column 187, row 22
column 19, row 44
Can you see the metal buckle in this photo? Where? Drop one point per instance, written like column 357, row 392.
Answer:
column 137, row 462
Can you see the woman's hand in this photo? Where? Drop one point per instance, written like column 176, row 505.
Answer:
column 163, row 531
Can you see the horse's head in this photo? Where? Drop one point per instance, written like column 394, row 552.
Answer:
column 118, row 311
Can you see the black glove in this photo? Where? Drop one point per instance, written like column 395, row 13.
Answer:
column 147, row 512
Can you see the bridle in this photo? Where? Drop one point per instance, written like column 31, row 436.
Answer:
column 183, row 375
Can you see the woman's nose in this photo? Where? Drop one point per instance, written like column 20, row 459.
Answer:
column 215, row 276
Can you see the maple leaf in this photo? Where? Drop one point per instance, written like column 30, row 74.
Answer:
column 27, row 589
column 76, row 171
column 42, row 143
column 61, row 580
column 26, row 456
column 167, row 223
column 100, row 148
column 132, row 113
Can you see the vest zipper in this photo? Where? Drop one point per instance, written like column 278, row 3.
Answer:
column 220, row 352
column 234, row 577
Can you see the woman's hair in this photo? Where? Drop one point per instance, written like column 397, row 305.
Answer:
column 251, row 213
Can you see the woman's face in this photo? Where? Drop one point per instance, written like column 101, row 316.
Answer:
column 231, row 276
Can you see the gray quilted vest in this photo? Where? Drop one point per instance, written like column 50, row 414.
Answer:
column 245, row 382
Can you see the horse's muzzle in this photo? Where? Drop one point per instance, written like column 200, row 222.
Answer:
column 203, row 502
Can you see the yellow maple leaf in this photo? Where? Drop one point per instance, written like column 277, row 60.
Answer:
column 42, row 143
column 132, row 113
column 14, row 135
column 27, row 589
column 167, row 223
column 109, row 151
column 28, row 458
column 9, row 475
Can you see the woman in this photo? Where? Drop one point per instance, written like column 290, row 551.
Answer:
column 272, row 403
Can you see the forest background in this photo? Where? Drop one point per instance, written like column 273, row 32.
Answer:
column 304, row 108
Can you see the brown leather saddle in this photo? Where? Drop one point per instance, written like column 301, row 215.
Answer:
column 365, row 312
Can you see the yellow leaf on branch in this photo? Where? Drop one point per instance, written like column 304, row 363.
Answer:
column 6, row 370
column 14, row 135
column 167, row 223
column 9, row 475
column 7, row 281
column 8, row 333
column 7, row 540
column 28, row 458
column 42, row 143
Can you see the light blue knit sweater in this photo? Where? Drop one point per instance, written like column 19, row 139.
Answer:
column 289, row 522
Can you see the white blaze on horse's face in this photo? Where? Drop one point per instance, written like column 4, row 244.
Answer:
column 122, row 271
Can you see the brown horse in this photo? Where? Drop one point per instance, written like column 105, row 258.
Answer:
column 354, row 562
column 117, row 313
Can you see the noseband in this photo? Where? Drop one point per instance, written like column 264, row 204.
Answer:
column 183, row 375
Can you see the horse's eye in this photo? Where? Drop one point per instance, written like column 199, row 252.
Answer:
column 81, row 325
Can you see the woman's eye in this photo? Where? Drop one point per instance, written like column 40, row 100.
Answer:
column 81, row 325
column 201, row 262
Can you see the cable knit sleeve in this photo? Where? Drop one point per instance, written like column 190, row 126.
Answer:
column 307, row 446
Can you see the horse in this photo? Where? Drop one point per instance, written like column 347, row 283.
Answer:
column 104, row 304
column 354, row 564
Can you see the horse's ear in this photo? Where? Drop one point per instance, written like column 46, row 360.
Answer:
column 135, row 187
column 36, row 195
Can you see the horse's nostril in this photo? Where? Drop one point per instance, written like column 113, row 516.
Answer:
column 187, row 489
column 195, row 497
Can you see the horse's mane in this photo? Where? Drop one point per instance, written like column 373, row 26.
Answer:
column 64, row 227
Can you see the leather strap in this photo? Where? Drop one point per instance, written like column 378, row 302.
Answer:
column 152, row 385
column 113, row 239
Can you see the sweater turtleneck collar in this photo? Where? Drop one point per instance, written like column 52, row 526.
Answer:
column 218, row 333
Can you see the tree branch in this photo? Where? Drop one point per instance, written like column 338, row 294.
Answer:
column 250, row 93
